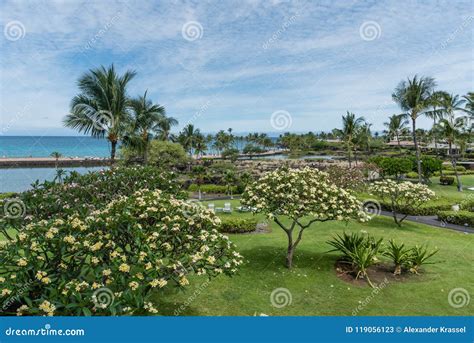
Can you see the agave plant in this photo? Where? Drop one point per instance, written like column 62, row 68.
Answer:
column 398, row 254
column 419, row 255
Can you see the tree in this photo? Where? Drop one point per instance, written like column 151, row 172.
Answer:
column 435, row 114
column 401, row 196
column 414, row 96
column 60, row 174
column 187, row 138
column 199, row 173
column 101, row 107
column 146, row 116
column 395, row 127
column 56, row 155
column 303, row 196
column 163, row 128
column 350, row 125
column 229, row 179
column 232, row 154
column 165, row 153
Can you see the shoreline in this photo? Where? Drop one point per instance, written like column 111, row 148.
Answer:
column 38, row 162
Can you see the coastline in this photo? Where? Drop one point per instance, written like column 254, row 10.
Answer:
column 39, row 162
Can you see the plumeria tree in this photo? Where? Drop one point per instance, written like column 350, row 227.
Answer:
column 401, row 196
column 304, row 196
column 111, row 261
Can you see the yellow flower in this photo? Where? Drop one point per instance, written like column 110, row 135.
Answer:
column 97, row 246
column 106, row 272
column 21, row 309
column 46, row 280
column 183, row 281
column 133, row 285
column 94, row 260
column 47, row 307
column 22, row 262
column 69, row 239
column 124, row 268
column 2, row 279
column 40, row 274
column 160, row 282
column 6, row 291
column 211, row 259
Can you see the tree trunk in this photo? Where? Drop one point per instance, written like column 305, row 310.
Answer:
column 398, row 142
column 349, row 153
column 415, row 142
column 398, row 269
column 454, row 164
column 290, row 251
column 112, row 151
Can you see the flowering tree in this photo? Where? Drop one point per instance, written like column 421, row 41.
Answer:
column 304, row 196
column 400, row 196
column 110, row 262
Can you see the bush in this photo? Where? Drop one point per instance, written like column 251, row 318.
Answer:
column 412, row 175
column 463, row 217
column 82, row 194
column 212, row 189
column 468, row 204
column 446, row 180
column 426, row 209
column 238, row 225
column 164, row 153
column 429, row 165
column 134, row 245
column 458, row 168
column 392, row 166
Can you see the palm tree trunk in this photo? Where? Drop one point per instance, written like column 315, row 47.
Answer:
column 349, row 153
column 417, row 152
column 398, row 142
column 454, row 164
column 112, row 151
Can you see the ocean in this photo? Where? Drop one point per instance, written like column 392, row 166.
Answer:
column 43, row 146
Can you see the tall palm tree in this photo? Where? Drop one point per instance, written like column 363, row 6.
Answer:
column 469, row 107
column 350, row 125
column 101, row 106
column 414, row 96
column 56, row 155
column 164, row 128
column 395, row 127
column 145, row 116
column 451, row 129
column 436, row 102
column 187, row 138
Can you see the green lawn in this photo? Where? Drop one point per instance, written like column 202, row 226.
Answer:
column 314, row 286
column 450, row 192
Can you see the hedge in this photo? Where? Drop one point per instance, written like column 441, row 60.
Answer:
column 425, row 210
column 465, row 218
column 213, row 189
column 446, row 180
column 238, row 225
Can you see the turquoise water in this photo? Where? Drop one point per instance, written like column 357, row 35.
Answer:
column 43, row 146
column 20, row 179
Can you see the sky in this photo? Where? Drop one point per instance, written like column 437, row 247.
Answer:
column 267, row 66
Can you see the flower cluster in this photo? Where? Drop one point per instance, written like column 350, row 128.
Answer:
column 302, row 192
column 133, row 246
column 402, row 194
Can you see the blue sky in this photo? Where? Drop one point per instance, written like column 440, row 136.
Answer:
column 229, row 63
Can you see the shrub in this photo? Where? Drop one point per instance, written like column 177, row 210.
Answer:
column 82, row 194
column 420, row 255
column 237, row 225
column 231, row 154
column 212, row 189
column 426, row 209
column 463, row 217
column 358, row 250
column 392, row 166
column 399, row 255
column 401, row 196
column 446, row 180
column 412, row 175
column 429, row 165
column 468, row 204
column 125, row 251
column 164, row 153
column 458, row 168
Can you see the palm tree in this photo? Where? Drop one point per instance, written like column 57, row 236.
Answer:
column 452, row 131
column 350, row 125
column 199, row 173
column 101, row 107
column 414, row 96
column 469, row 107
column 60, row 174
column 164, row 128
column 200, row 146
column 187, row 138
column 229, row 179
column 436, row 114
column 56, row 155
column 396, row 126
column 145, row 117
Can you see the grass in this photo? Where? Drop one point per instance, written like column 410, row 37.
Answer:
column 314, row 286
column 450, row 192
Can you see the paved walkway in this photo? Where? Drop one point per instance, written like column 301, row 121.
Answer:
column 433, row 221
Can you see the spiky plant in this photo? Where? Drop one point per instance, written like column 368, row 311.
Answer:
column 420, row 255
column 398, row 254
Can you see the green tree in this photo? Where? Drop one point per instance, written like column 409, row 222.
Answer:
column 101, row 106
column 395, row 127
column 414, row 96
column 56, row 155
column 350, row 125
